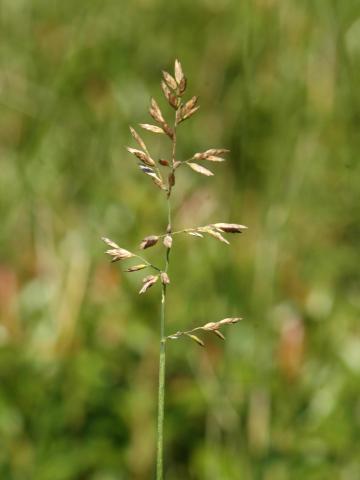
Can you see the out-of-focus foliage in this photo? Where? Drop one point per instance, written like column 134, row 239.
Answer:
column 279, row 85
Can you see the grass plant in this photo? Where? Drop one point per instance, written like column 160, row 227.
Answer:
column 163, row 175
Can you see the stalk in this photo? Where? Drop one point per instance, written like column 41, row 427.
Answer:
column 161, row 397
column 162, row 362
column 162, row 356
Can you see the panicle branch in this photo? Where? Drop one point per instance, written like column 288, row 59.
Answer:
column 215, row 230
column 213, row 327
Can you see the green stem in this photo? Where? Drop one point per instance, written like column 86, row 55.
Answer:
column 162, row 358
column 161, row 398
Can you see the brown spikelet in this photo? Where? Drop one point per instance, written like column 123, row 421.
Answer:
column 148, row 282
column 219, row 334
column 230, row 321
column 212, row 152
column 179, row 74
column 142, row 156
column 139, row 140
column 168, row 130
column 168, row 241
column 213, row 158
column 151, row 173
column 185, row 115
column 155, row 112
column 210, row 326
column 176, row 335
column 195, row 339
column 190, row 104
column 159, row 183
column 169, row 80
column 136, row 268
column 165, row 280
column 187, row 110
column 173, row 100
column 109, row 242
column 117, row 253
column 182, row 85
column 151, row 128
column 180, row 77
column 166, row 90
column 200, row 169
column 216, row 151
column 217, row 235
column 215, row 326
column 195, row 234
column 230, row 227
column 149, row 241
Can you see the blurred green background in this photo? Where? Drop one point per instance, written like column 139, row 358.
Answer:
column 279, row 85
